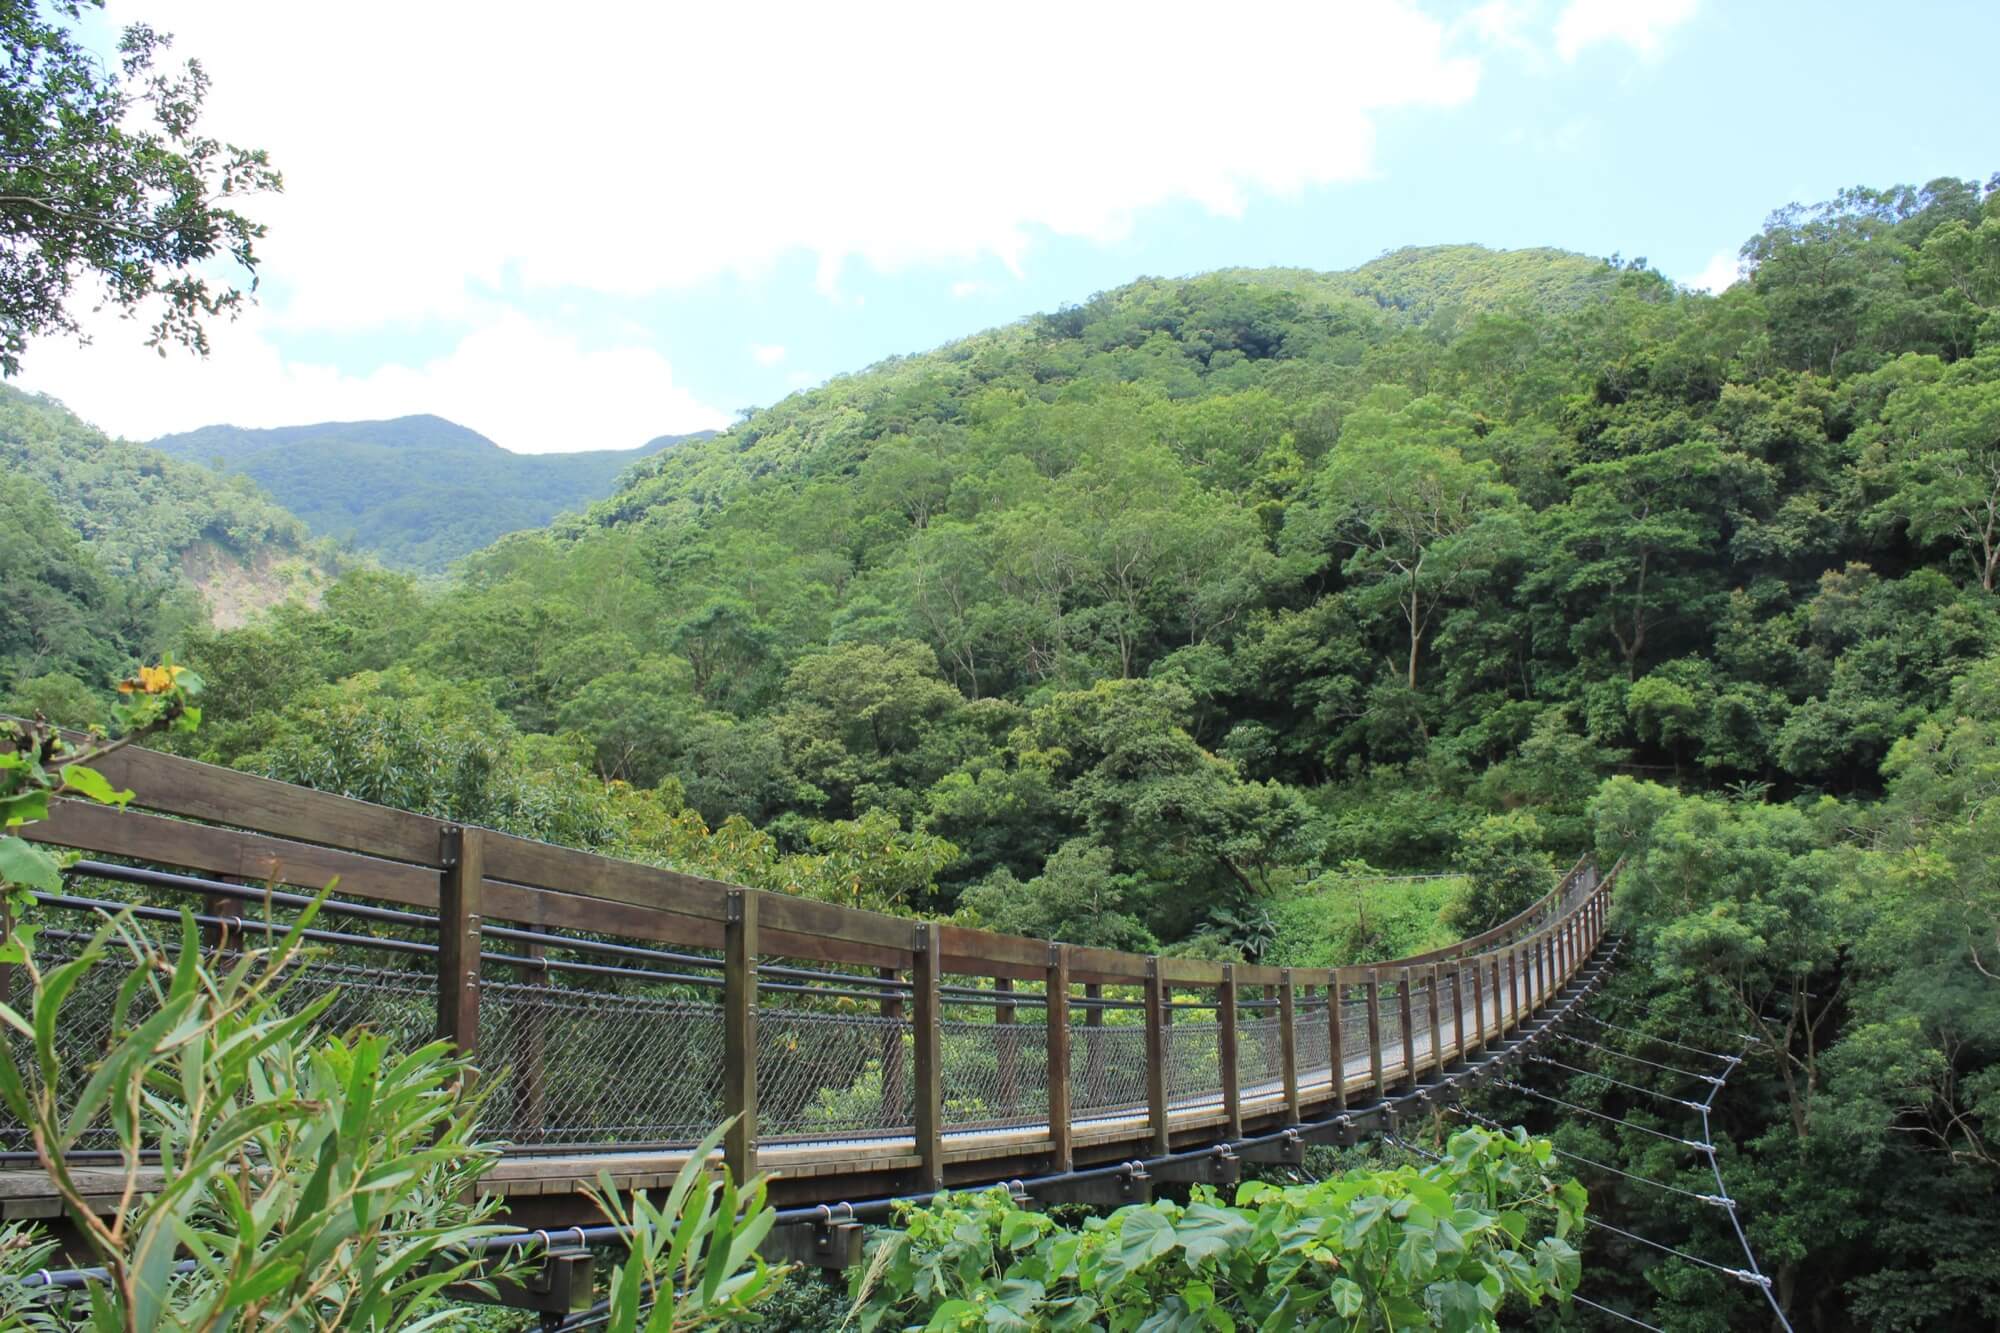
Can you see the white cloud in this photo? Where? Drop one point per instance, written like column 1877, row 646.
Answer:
column 1721, row 274
column 1640, row 24
column 767, row 354
column 525, row 387
column 967, row 288
column 447, row 161
column 431, row 150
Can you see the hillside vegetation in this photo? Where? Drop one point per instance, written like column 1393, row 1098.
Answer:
column 416, row 492
column 1141, row 622
column 109, row 551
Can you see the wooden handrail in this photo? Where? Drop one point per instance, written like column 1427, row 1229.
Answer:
column 250, row 829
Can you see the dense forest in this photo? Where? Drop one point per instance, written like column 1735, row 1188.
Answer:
column 1162, row 620
column 109, row 551
column 397, row 490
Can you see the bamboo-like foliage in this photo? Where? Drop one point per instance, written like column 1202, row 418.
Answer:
column 304, row 1181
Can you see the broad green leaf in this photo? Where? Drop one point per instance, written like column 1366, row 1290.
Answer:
column 23, row 863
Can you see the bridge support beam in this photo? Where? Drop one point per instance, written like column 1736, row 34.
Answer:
column 1336, row 1045
column 1406, row 1002
column 1375, row 1074
column 1156, row 1054
column 1130, row 1183
column 739, row 1032
column 1287, row 1150
column 927, row 1074
column 1060, row 1155
column 462, row 853
column 1288, row 1045
column 1220, row 1167
column 1230, row 1057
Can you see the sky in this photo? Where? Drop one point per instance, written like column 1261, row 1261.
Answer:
column 583, row 229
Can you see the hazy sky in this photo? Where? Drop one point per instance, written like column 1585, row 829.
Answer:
column 578, row 229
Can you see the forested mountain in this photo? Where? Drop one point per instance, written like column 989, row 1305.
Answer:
column 1151, row 621
column 416, row 492
column 108, row 550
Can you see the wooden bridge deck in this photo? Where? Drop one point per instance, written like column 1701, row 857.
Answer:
column 624, row 1004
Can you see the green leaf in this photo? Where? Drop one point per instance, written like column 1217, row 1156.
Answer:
column 22, row 863
column 91, row 783
column 26, row 807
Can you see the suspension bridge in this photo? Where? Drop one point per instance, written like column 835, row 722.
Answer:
column 623, row 1010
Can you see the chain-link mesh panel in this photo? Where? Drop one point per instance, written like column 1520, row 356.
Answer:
column 1107, row 1067
column 1420, row 1021
column 1259, row 1053
column 1194, row 1062
column 599, row 1066
column 1311, row 1041
column 81, row 1039
column 397, row 1001
column 390, row 998
column 822, row 1075
column 1392, row 1029
column 994, row 1073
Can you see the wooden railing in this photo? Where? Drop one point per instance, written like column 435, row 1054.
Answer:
column 880, row 988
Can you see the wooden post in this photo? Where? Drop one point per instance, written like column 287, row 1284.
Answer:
column 1478, row 1006
column 462, row 851
column 1406, row 999
column 895, row 1088
column 1288, row 1045
column 530, row 1048
column 1156, row 1054
column 1513, row 988
column 1004, row 1052
column 1459, row 1007
column 1232, row 1070
column 1335, row 1045
column 1499, row 1001
column 1437, row 1016
column 927, row 1074
column 1376, row 1076
column 217, row 938
column 1093, row 1046
column 1060, row 1158
column 739, row 1032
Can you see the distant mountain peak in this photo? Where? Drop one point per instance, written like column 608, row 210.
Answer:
column 415, row 491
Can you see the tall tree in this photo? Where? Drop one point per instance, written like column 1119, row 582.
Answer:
column 90, row 189
column 1422, row 524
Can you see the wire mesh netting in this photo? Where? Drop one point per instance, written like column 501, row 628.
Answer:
column 1259, row 1051
column 393, row 996
column 1194, row 1062
column 824, row 1074
column 1354, row 1035
column 582, row 1065
column 1107, row 1069
column 1420, row 1021
column 1312, row 1041
column 993, row 1073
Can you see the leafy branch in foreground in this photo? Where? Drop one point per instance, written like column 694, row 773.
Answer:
column 38, row 763
column 1444, row 1245
column 303, row 1181
column 692, row 1261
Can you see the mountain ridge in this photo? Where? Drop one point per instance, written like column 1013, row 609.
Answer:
column 398, row 489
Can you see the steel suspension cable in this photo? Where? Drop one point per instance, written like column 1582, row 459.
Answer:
column 1710, row 1199
column 1741, row 1275
column 1742, row 1236
column 1617, row 1083
column 1616, row 1314
column 1665, row 1041
column 1616, row 1120
column 1601, row 1049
